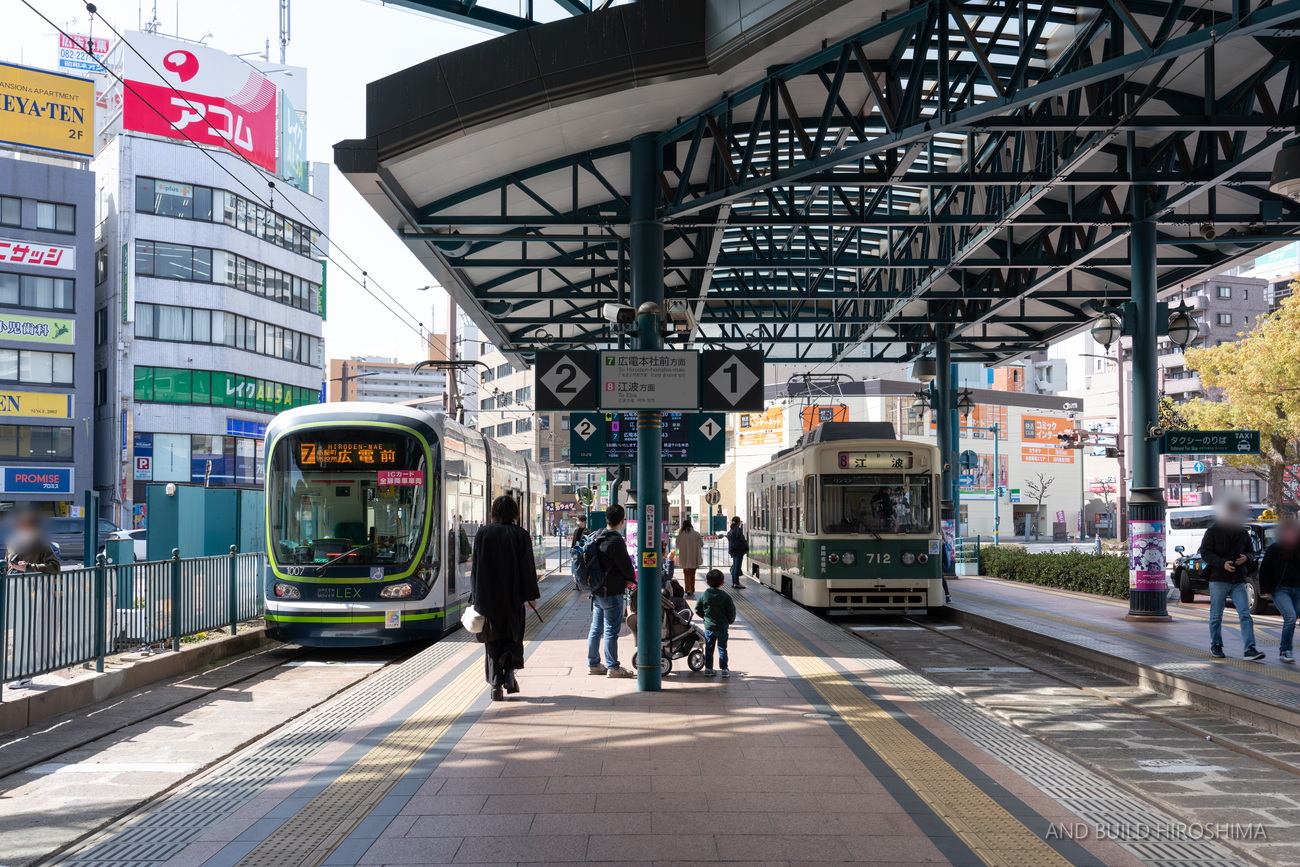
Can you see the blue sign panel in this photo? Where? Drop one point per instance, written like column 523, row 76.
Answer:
column 238, row 427
column 37, row 480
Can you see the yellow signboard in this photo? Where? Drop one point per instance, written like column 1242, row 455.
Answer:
column 47, row 111
column 32, row 404
column 762, row 428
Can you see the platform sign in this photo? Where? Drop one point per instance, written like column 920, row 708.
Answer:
column 733, row 381
column 1210, row 442
column 565, row 381
column 649, row 380
column 689, row 438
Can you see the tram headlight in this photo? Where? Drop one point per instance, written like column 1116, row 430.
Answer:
column 848, row 558
column 287, row 591
column 396, row 591
column 908, row 558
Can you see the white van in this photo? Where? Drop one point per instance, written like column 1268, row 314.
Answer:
column 1185, row 525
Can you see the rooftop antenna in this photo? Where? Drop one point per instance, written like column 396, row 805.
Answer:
column 284, row 29
column 152, row 25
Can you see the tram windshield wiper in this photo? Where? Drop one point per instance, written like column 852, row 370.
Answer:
column 320, row 570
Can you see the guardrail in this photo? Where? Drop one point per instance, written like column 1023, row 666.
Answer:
column 50, row 622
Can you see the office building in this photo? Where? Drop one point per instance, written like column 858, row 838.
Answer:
column 376, row 379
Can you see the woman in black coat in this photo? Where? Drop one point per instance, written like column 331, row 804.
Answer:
column 503, row 578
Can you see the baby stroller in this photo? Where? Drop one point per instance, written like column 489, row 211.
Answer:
column 679, row 637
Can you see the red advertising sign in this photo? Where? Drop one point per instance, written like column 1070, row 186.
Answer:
column 205, row 95
column 35, row 253
column 401, row 477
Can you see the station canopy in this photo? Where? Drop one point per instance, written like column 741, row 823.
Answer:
column 839, row 181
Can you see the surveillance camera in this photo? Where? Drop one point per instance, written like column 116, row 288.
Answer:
column 1155, row 431
column 1209, row 232
column 619, row 314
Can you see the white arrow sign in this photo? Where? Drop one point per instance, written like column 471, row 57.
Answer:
column 676, row 474
column 733, row 380
column 565, row 380
column 710, row 429
column 585, row 429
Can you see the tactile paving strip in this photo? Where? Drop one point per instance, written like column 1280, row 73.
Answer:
column 993, row 834
column 1089, row 796
column 164, row 832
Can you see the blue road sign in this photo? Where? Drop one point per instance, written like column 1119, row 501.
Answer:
column 966, row 479
column 1198, row 467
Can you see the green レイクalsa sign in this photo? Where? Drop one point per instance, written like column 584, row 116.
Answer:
column 1210, row 442
column 36, row 329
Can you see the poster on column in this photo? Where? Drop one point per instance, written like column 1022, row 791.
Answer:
column 1146, row 565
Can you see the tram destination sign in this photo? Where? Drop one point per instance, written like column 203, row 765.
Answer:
column 689, row 438
column 1210, row 442
column 649, row 380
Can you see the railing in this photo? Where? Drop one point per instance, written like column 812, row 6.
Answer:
column 50, row 622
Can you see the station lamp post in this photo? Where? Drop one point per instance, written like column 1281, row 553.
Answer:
column 1144, row 319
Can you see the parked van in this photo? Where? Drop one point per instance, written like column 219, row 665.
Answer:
column 1185, row 525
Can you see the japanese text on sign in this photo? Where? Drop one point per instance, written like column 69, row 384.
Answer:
column 875, row 460
column 40, row 255
column 649, row 380
column 401, row 477
column 327, row 456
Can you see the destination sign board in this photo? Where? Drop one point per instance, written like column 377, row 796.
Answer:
column 1210, row 442
column 347, row 455
column 652, row 380
column 689, row 438
column 875, row 460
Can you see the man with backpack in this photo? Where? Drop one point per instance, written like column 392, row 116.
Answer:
column 605, row 570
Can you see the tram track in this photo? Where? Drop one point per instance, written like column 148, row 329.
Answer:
column 1020, row 662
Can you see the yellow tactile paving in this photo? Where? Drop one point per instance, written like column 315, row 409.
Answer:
column 318, row 828
column 992, row 833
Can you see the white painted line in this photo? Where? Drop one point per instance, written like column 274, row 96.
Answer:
column 113, row 768
column 897, row 628
column 310, row 663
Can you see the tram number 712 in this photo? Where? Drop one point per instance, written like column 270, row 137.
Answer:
column 872, row 557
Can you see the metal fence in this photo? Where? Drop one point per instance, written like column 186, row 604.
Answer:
column 49, row 622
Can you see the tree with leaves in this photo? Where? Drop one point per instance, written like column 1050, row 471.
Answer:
column 1037, row 491
column 1254, row 384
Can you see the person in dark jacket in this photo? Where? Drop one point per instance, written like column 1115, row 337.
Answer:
column 502, row 579
column 607, row 601
column 579, row 533
column 1223, row 550
column 718, row 610
column 28, row 551
column 737, row 547
column 1279, row 577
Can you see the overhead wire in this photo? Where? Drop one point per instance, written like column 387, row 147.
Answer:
column 340, row 267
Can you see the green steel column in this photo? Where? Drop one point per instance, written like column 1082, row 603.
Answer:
column 1146, row 506
column 954, row 445
column 646, row 245
column 941, row 397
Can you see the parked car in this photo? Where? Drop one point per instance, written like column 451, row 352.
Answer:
column 136, row 536
column 69, row 533
column 1189, row 569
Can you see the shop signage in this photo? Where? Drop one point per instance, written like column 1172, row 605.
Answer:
column 32, row 404
column 37, row 254
column 36, row 329
column 36, row 480
column 47, row 111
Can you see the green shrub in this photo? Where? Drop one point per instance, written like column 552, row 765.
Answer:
column 1103, row 574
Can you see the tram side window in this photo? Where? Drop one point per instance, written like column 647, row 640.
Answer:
column 877, row 503
column 810, row 505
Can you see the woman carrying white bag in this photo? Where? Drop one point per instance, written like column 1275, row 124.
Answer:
column 503, row 579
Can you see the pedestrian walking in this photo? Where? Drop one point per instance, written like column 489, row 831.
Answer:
column 1223, row 550
column 1279, row 578
column 690, row 555
column 579, row 533
column 737, row 547
column 718, row 611
column 502, row 580
column 607, row 602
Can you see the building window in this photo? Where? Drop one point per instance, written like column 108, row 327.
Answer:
column 218, row 388
column 1224, row 318
column 190, row 325
column 524, row 394
column 11, row 211
column 1245, row 294
column 524, row 425
column 35, row 367
column 544, row 454
column 101, row 387
column 101, row 326
column 32, row 443
column 564, row 454
column 1245, row 490
column 56, row 218
column 488, row 403
column 544, row 422
column 564, row 422
column 44, row 293
column 101, row 265
column 504, row 430
column 1225, row 292
column 199, row 264
column 191, row 202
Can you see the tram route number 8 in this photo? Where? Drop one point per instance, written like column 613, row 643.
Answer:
column 852, row 461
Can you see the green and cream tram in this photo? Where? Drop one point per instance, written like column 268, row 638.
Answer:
column 848, row 519
column 371, row 512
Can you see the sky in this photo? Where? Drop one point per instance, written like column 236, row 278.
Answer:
column 344, row 44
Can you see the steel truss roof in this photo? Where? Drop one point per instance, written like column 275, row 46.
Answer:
column 961, row 171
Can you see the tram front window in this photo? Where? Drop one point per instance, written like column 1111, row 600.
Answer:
column 348, row 497
column 877, row 503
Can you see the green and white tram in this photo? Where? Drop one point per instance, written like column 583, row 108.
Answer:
column 371, row 512
column 848, row 519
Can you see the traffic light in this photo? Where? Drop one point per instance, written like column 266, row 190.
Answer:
column 1070, row 440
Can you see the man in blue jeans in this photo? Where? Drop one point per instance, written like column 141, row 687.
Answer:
column 607, row 602
column 1223, row 550
column 1279, row 577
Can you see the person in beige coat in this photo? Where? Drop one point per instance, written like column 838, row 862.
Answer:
column 690, row 555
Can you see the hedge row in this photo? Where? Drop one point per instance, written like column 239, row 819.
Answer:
column 1103, row 574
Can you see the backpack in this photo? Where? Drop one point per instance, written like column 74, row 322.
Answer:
column 588, row 568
